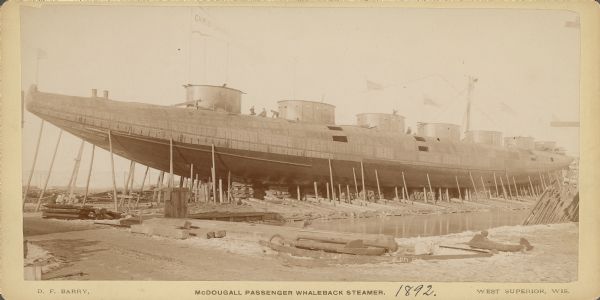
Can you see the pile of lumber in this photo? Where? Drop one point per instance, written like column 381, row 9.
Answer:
column 69, row 211
column 559, row 203
column 241, row 190
column 277, row 192
column 338, row 244
column 237, row 216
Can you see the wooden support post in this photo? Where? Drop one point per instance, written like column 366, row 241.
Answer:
column 483, row 185
column 516, row 190
column 430, row 190
column 440, row 194
column 396, row 190
column 405, row 187
column 316, row 191
column 362, row 176
column 197, row 190
column 220, row 190
column 191, row 183
column 378, row 189
column 112, row 164
column 137, row 201
column 503, row 189
column 447, row 195
column 347, row 193
column 542, row 181
column 474, row 187
column 531, row 187
column 87, row 183
column 424, row 195
column 39, row 202
column 298, row 192
column 496, row 184
column 509, row 188
column 35, row 155
column 355, row 182
column 75, row 172
column 130, row 191
column 339, row 193
column 458, row 187
column 213, row 171
column 327, row 188
column 161, row 179
column 403, row 197
column 229, row 196
column 171, row 182
column 331, row 179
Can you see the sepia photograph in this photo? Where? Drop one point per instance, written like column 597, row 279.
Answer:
column 230, row 143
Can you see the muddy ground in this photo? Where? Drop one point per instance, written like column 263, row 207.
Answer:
column 80, row 250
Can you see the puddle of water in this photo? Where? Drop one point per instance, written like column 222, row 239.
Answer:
column 425, row 225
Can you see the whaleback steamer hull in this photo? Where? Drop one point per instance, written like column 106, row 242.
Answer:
column 277, row 151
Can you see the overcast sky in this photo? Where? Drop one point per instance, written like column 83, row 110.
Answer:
column 419, row 60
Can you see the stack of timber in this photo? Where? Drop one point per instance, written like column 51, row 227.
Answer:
column 69, row 211
column 338, row 244
column 559, row 203
column 241, row 191
column 233, row 216
column 277, row 192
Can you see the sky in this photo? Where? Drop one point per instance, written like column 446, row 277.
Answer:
column 416, row 61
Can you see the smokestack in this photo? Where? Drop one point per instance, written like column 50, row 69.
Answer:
column 94, row 93
column 105, row 94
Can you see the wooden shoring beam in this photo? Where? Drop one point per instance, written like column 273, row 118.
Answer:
column 355, row 182
column 89, row 175
column 533, row 193
column 378, row 188
column 496, row 184
column 483, row 185
column 430, row 189
column 348, row 193
column 405, row 187
column 75, row 172
column 362, row 176
column 112, row 165
column 331, row 180
column 474, row 187
column 508, row 185
column 516, row 190
column 213, row 171
column 316, row 191
column 35, row 155
column 39, row 202
column 137, row 201
column 458, row 188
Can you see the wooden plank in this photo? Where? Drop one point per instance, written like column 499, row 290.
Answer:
column 337, row 248
column 386, row 242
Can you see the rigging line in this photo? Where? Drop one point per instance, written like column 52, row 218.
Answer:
column 487, row 116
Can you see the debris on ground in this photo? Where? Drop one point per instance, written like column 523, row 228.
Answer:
column 84, row 212
column 481, row 241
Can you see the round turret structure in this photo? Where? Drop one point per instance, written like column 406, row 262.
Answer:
column 381, row 121
column 443, row 131
column 307, row 111
column 485, row 137
column 217, row 98
column 521, row 142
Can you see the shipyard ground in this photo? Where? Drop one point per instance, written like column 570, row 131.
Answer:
column 80, row 250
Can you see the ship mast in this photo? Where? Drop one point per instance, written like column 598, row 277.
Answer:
column 470, row 88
